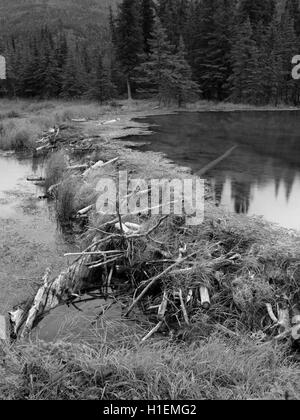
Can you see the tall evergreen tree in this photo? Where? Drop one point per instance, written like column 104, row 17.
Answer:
column 129, row 39
column 103, row 88
column 210, row 47
column 245, row 79
column 165, row 72
column 147, row 14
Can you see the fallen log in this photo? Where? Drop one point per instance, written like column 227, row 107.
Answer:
column 63, row 289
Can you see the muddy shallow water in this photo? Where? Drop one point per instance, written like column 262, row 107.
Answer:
column 30, row 241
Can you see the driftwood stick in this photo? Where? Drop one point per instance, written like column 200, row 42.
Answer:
column 153, row 331
column 52, row 189
column 284, row 319
column 37, row 304
column 153, row 280
column 271, row 313
column 99, row 165
column 3, row 329
column 77, row 167
column 163, row 307
column 85, row 210
column 62, row 289
column 183, row 308
column 296, row 323
column 190, row 296
column 77, row 254
column 35, row 179
column 205, row 300
column 17, row 318
column 102, row 263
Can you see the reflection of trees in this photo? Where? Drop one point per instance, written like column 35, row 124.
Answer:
column 268, row 148
column 241, row 195
column 218, row 189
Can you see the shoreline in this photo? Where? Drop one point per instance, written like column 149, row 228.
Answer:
column 239, row 255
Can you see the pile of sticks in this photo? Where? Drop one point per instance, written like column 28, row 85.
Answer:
column 109, row 268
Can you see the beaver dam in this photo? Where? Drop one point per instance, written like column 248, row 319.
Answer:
column 231, row 284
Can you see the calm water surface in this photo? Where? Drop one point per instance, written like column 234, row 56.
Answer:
column 261, row 177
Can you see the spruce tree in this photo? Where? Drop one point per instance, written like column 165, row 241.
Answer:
column 147, row 14
column 245, row 79
column 166, row 72
column 210, row 47
column 103, row 88
column 129, row 39
column 185, row 89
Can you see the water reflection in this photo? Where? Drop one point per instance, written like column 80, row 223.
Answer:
column 261, row 177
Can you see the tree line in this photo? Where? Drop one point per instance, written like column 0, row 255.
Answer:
column 176, row 50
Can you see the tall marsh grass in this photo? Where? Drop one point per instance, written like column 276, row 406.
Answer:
column 18, row 134
column 23, row 121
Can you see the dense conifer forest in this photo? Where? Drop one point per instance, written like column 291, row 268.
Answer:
column 233, row 50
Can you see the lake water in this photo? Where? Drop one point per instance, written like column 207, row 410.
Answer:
column 261, row 177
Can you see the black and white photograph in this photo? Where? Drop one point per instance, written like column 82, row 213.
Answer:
column 149, row 203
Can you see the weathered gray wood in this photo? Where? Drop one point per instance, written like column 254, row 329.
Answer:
column 2, row 68
column 3, row 328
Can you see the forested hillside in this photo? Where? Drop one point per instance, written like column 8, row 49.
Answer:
column 237, row 50
column 79, row 15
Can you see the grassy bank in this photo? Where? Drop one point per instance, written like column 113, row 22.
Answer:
column 212, row 368
column 23, row 121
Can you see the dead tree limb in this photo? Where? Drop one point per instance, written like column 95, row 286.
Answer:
column 155, row 279
column 69, row 284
